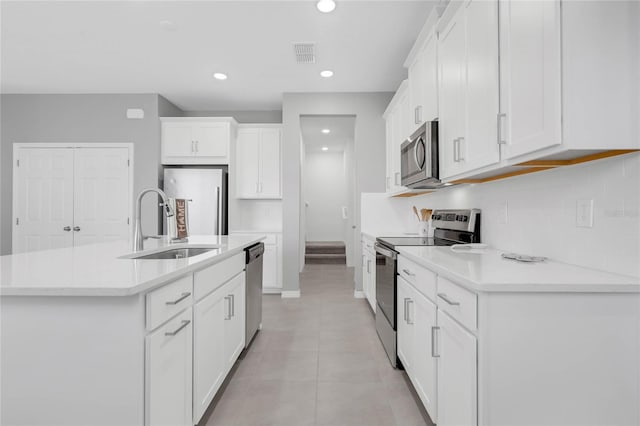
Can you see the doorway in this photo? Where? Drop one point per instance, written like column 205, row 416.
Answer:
column 328, row 188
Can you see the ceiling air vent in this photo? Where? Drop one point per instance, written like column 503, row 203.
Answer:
column 304, row 53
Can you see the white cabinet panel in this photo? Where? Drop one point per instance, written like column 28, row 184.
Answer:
column 530, row 75
column 424, row 367
column 457, row 374
column 258, row 163
column 398, row 129
column 196, row 140
column 169, row 373
column 234, row 321
column 247, row 174
column 423, row 84
column 404, row 325
column 270, row 267
column 270, row 164
column 209, row 363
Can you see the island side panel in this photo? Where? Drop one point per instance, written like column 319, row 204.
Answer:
column 72, row 360
column 559, row 358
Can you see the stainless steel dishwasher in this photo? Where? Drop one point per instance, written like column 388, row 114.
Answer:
column 253, row 298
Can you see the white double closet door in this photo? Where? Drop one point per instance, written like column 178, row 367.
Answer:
column 69, row 195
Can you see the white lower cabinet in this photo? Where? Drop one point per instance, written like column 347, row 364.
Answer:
column 169, row 372
column 369, row 272
column 234, row 332
column 457, row 374
column 416, row 330
column 219, row 334
column 209, row 366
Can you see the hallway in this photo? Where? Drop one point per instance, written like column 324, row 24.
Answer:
column 317, row 361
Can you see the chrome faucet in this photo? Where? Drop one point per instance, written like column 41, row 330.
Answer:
column 138, row 238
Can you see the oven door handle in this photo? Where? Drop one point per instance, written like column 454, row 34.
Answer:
column 384, row 251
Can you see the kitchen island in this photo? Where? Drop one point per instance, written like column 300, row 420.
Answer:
column 91, row 336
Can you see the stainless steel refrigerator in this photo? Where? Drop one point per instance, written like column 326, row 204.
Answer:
column 206, row 187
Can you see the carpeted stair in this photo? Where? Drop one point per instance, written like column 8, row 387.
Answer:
column 325, row 252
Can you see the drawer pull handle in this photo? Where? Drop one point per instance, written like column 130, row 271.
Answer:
column 406, row 310
column 179, row 299
column 433, row 342
column 227, row 317
column 177, row 330
column 408, row 272
column 446, row 299
column 233, row 305
column 409, row 320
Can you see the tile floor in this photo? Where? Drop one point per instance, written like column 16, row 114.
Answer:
column 317, row 361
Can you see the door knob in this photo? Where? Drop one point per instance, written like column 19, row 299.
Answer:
column 76, row 228
column 66, row 228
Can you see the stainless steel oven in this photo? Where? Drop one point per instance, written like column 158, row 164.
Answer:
column 419, row 166
column 452, row 227
column 386, row 271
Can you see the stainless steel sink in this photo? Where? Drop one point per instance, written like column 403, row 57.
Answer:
column 176, row 253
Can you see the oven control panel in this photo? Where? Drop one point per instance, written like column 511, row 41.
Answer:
column 459, row 220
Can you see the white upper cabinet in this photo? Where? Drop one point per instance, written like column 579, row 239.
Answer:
column 197, row 140
column 258, row 162
column 530, row 76
column 422, row 65
column 398, row 130
column 469, row 87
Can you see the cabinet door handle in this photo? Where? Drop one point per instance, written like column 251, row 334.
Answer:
column 177, row 330
column 197, row 146
column 368, row 266
column 76, row 228
column 406, row 310
column 418, row 114
column 397, row 178
column 460, row 156
column 501, row 117
column 179, row 299
column 446, row 299
column 227, row 317
column 409, row 320
column 66, row 228
column 433, row 342
column 455, row 150
column 233, row 305
column 408, row 272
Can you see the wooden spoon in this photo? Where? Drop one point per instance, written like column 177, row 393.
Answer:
column 426, row 214
column 415, row 210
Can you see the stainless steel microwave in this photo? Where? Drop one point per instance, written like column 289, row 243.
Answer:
column 419, row 158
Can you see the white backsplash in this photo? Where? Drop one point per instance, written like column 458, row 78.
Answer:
column 541, row 212
column 255, row 215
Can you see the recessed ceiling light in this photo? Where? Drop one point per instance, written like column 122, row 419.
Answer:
column 167, row 25
column 219, row 76
column 326, row 131
column 326, row 6
column 326, row 73
column 325, row 148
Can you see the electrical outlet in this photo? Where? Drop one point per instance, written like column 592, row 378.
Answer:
column 584, row 213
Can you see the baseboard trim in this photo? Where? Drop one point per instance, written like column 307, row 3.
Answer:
column 359, row 294
column 290, row 294
column 271, row 290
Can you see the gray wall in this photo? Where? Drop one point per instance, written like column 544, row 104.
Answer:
column 86, row 118
column 241, row 116
column 369, row 155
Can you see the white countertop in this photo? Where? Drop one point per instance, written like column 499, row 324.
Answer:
column 98, row 270
column 486, row 270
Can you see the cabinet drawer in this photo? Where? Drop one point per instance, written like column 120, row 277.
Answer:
column 420, row 277
column 461, row 304
column 169, row 300
column 208, row 279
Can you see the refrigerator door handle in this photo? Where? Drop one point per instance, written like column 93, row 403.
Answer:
column 219, row 221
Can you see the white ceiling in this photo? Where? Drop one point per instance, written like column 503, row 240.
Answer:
column 342, row 129
column 120, row 47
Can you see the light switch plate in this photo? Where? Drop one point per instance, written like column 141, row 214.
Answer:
column 584, row 213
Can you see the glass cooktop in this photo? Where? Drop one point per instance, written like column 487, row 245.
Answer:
column 414, row 241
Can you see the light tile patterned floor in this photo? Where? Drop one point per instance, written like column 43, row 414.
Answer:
column 317, row 361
